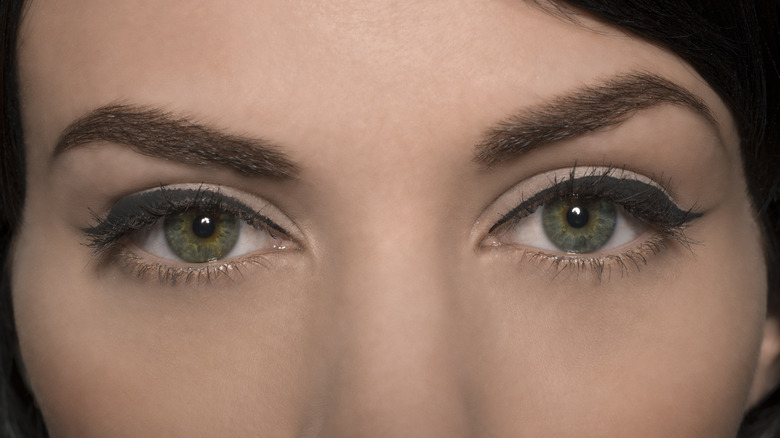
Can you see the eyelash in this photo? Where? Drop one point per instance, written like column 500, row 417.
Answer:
column 645, row 202
column 140, row 211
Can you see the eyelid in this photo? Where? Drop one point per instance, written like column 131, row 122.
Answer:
column 141, row 210
column 644, row 201
column 626, row 188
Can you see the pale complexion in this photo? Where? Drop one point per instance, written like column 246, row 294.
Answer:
column 391, row 310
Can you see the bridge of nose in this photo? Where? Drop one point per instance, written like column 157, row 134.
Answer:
column 391, row 287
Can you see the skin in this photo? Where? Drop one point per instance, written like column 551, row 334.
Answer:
column 390, row 314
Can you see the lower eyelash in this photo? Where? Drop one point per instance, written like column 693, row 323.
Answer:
column 172, row 275
column 650, row 206
column 602, row 266
column 110, row 236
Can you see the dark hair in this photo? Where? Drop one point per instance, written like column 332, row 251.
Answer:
column 19, row 415
column 733, row 45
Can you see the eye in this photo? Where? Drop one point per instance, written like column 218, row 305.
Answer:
column 575, row 225
column 201, row 236
column 590, row 211
column 192, row 226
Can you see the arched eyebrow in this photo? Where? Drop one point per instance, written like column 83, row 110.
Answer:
column 159, row 134
column 584, row 110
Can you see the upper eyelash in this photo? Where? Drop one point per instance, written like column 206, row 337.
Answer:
column 139, row 211
column 644, row 201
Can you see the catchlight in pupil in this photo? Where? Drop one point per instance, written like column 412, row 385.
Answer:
column 579, row 226
column 203, row 226
column 200, row 237
column 577, row 217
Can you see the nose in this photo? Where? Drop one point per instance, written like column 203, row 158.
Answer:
column 396, row 372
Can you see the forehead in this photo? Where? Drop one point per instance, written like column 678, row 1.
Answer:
column 337, row 70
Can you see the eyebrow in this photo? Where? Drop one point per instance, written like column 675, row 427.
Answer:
column 159, row 134
column 585, row 110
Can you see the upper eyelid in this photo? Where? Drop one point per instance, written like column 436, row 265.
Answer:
column 558, row 188
column 529, row 204
column 158, row 202
column 141, row 210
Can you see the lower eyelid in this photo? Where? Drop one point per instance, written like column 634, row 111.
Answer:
column 173, row 274
column 652, row 219
column 603, row 267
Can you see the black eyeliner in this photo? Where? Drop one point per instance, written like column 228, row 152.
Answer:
column 644, row 201
column 141, row 210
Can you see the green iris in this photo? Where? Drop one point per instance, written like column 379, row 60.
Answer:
column 579, row 225
column 199, row 237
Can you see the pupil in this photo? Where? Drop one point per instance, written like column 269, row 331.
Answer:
column 577, row 217
column 203, row 226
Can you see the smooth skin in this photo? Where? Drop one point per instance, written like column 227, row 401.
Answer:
column 390, row 315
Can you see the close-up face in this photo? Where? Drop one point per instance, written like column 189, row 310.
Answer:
column 335, row 218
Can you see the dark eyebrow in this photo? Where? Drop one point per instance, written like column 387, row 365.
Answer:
column 585, row 110
column 160, row 134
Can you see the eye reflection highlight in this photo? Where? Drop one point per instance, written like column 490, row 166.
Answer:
column 195, row 233
column 590, row 217
column 577, row 225
column 199, row 237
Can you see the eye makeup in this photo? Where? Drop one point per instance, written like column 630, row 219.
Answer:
column 121, row 235
column 638, row 200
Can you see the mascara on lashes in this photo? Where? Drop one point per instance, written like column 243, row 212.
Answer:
column 644, row 201
column 141, row 210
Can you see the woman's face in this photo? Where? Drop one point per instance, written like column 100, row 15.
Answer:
column 336, row 218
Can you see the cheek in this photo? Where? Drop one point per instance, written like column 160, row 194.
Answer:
column 665, row 350
column 668, row 350
column 108, row 355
